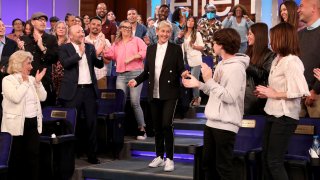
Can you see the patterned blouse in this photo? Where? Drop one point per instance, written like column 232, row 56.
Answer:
column 207, row 28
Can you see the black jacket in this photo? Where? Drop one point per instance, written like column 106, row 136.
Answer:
column 69, row 59
column 172, row 68
column 9, row 48
column 41, row 60
column 257, row 75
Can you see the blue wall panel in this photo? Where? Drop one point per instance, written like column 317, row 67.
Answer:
column 66, row 6
column 10, row 11
column 24, row 9
column 44, row 6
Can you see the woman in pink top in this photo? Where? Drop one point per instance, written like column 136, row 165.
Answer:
column 128, row 52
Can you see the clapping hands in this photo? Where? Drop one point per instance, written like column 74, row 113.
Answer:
column 39, row 75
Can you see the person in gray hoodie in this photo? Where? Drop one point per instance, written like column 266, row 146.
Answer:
column 224, row 110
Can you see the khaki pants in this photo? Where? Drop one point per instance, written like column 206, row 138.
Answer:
column 102, row 83
column 314, row 111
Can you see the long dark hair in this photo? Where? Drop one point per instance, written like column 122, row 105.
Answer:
column 17, row 19
column 176, row 15
column 259, row 48
column 193, row 34
column 293, row 17
column 28, row 22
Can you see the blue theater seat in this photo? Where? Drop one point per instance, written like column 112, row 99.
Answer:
column 208, row 60
column 111, row 82
column 298, row 162
column 57, row 157
column 5, row 147
column 247, row 148
column 110, row 128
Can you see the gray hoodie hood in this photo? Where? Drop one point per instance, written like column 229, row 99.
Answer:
column 239, row 58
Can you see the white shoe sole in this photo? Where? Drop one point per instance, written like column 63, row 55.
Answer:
column 160, row 165
column 141, row 138
column 168, row 170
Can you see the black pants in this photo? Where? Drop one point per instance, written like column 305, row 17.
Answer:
column 218, row 153
column 85, row 103
column 162, row 112
column 277, row 133
column 24, row 157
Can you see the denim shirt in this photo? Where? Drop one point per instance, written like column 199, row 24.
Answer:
column 141, row 31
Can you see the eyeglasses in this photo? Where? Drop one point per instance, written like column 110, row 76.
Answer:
column 126, row 27
column 41, row 19
column 101, row 9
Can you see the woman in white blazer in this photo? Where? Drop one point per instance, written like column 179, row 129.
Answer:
column 192, row 47
column 22, row 115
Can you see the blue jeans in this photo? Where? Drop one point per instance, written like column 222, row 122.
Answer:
column 122, row 81
column 195, row 71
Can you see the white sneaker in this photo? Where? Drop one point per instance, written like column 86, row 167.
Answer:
column 142, row 136
column 157, row 162
column 168, row 165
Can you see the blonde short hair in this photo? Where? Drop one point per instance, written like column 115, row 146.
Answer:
column 163, row 24
column 119, row 34
column 16, row 60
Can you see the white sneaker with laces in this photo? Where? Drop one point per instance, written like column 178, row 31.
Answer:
column 168, row 165
column 157, row 162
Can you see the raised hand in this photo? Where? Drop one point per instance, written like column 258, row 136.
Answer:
column 185, row 74
column 132, row 83
column 36, row 36
column 316, row 72
column 190, row 81
column 146, row 40
column 20, row 44
column 100, row 45
column 265, row 92
column 82, row 48
column 206, row 72
column 246, row 17
column 39, row 75
column 181, row 34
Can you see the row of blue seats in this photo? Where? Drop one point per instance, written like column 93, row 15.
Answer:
column 248, row 142
column 297, row 159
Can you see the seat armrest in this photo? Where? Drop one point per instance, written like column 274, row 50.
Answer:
column 117, row 115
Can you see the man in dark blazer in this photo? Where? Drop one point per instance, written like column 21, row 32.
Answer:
column 163, row 69
column 79, row 83
column 7, row 47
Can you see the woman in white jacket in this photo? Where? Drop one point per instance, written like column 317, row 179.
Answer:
column 192, row 47
column 22, row 115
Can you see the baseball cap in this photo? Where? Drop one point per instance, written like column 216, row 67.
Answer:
column 38, row 15
column 54, row 19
